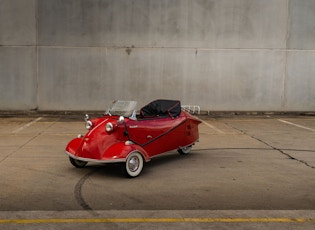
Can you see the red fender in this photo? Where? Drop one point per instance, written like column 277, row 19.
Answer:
column 118, row 152
column 73, row 145
column 122, row 149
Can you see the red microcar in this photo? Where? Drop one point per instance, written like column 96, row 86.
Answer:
column 123, row 136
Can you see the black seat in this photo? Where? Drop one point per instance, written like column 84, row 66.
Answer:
column 161, row 108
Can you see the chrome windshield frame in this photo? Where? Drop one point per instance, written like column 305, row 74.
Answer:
column 123, row 108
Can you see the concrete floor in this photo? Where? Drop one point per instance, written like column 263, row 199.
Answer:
column 263, row 166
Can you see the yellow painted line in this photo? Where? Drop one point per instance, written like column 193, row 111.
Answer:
column 159, row 220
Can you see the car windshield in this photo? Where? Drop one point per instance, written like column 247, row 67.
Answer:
column 122, row 108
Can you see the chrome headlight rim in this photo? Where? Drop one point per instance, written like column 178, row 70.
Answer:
column 88, row 125
column 109, row 127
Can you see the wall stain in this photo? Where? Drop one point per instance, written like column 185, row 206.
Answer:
column 129, row 49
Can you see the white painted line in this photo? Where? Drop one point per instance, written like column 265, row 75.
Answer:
column 296, row 125
column 212, row 127
column 26, row 125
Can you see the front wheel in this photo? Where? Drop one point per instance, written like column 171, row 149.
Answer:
column 133, row 165
column 185, row 150
column 77, row 163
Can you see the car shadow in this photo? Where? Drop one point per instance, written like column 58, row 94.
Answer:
column 169, row 158
column 114, row 170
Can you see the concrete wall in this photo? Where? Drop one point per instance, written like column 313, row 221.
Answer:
column 240, row 55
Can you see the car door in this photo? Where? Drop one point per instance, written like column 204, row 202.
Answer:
column 157, row 135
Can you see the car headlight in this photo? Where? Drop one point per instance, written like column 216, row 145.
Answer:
column 109, row 127
column 88, row 124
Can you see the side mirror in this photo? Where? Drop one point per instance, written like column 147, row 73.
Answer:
column 121, row 120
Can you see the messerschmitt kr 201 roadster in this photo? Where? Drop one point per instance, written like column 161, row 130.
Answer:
column 123, row 136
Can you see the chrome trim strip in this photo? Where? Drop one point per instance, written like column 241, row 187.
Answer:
column 94, row 160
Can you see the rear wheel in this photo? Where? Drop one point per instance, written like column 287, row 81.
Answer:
column 185, row 150
column 77, row 163
column 133, row 165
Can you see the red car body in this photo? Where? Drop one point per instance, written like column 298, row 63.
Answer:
column 134, row 139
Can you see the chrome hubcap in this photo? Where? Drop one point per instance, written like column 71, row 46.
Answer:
column 133, row 163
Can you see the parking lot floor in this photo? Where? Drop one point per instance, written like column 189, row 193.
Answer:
column 246, row 172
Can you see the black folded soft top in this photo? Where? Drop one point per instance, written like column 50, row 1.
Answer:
column 161, row 108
